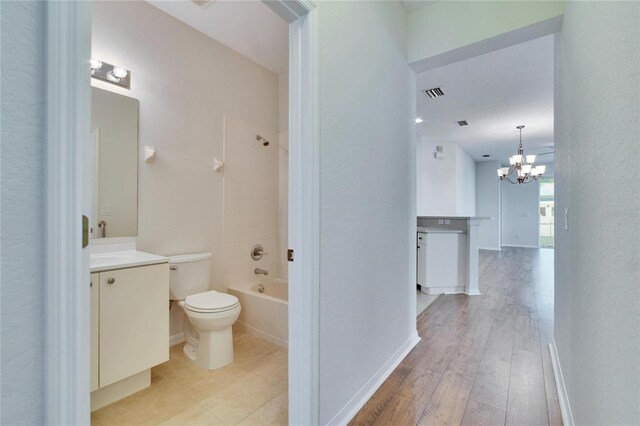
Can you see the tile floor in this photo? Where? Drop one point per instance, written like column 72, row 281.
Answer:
column 423, row 301
column 250, row 391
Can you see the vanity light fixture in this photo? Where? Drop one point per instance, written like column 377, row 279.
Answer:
column 113, row 74
column 522, row 165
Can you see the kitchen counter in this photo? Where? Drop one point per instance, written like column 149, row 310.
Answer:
column 433, row 230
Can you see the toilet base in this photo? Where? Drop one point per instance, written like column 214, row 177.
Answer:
column 209, row 337
column 215, row 349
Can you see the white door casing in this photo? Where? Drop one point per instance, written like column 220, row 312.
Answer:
column 70, row 194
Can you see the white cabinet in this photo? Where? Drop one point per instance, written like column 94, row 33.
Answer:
column 95, row 329
column 134, row 321
column 422, row 259
column 445, row 259
column 129, row 322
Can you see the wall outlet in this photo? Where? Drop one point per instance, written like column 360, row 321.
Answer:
column 440, row 221
column 447, row 222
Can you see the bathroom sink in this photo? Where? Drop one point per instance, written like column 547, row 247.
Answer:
column 122, row 259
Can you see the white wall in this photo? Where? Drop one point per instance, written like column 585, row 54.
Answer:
column 597, row 261
column 520, row 214
column 367, row 196
column 186, row 82
column 445, row 186
column 465, row 183
column 449, row 31
column 488, row 204
column 22, row 198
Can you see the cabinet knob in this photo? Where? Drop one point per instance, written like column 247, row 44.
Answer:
column 111, row 280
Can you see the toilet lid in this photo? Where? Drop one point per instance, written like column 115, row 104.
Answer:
column 211, row 301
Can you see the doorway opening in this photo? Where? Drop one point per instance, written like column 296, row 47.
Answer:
column 547, row 212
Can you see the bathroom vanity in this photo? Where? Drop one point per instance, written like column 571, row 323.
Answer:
column 448, row 254
column 129, row 320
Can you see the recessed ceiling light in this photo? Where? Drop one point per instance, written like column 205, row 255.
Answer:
column 419, row 120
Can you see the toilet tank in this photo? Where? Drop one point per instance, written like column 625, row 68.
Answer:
column 189, row 274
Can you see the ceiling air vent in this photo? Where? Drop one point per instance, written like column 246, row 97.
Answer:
column 462, row 123
column 436, row 92
column 203, row 3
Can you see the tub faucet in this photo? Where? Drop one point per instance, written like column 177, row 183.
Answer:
column 261, row 271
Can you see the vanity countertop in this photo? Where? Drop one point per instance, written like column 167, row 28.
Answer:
column 123, row 259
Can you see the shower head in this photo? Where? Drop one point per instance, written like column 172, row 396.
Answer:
column 263, row 140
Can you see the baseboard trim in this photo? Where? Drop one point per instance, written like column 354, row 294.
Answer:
column 176, row 339
column 354, row 405
column 520, row 246
column 565, row 407
column 261, row 334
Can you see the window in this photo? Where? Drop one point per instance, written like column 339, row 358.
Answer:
column 543, row 211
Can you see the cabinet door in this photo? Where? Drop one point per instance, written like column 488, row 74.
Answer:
column 134, row 321
column 95, row 328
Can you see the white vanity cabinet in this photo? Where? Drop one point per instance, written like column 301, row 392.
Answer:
column 129, row 326
column 95, row 329
column 134, row 321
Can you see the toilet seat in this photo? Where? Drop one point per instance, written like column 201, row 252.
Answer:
column 211, row 302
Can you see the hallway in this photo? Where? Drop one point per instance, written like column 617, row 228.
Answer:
column 482, row 360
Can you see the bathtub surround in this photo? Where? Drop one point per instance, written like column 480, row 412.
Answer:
column 250, row 201
column 182, row 108
column 283, row 171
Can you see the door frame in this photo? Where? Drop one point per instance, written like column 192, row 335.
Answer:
column 67, row 316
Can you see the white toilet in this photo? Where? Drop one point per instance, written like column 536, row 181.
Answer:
column 210, row 313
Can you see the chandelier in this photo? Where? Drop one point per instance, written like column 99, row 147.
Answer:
column 521, row 166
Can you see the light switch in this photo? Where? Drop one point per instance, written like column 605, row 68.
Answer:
column 106, row 209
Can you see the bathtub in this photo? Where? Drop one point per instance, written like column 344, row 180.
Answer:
column 265, row 315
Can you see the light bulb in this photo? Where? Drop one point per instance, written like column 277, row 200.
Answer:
column 541, row 169
column 505, row 171
column 499, row 172
column 112, row 77
column 119, row 72
column 96, row 64
column 517, row 158
column 526, row 168
column 531, row 159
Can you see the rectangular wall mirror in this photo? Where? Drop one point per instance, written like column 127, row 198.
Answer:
column 114, row 133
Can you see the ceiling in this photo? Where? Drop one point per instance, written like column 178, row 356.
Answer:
column 248, row 27
column 413, row 5
column 494, row 92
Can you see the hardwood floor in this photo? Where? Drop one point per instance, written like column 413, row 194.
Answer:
column 482, row 360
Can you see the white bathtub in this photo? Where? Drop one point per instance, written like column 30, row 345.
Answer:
column 265, row 315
